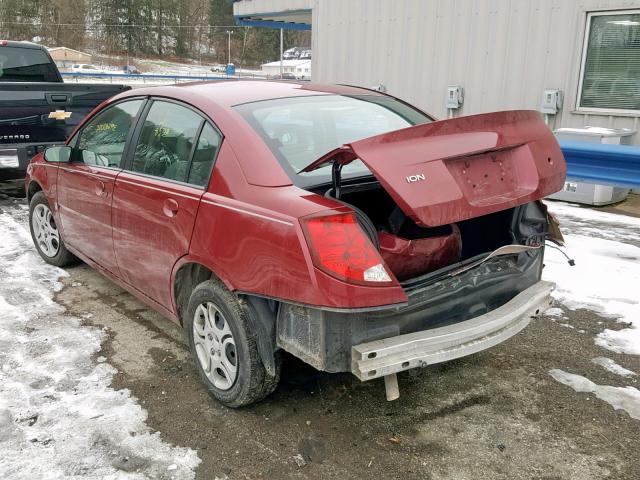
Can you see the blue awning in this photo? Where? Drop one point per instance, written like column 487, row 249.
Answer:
column 287, row 19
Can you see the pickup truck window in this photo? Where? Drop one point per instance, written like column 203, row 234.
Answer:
column 26, row 65
column 103, row 139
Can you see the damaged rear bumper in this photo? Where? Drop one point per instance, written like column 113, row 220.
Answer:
column 325, row 338
column 388, row 356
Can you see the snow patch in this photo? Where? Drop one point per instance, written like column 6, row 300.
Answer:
column 591, row 215
column 620, row 398
column 606, row 275
column 554, row 312
column 612, row 366
column 59, row 418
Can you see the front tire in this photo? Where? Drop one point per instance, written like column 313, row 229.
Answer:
column 224, row 347
column 45, row 234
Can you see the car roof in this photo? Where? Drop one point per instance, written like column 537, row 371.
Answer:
column 216, row 99
column 228, row 93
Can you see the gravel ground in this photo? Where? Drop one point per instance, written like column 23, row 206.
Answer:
column 497, row 414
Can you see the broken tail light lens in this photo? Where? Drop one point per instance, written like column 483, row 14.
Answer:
column 340, row 248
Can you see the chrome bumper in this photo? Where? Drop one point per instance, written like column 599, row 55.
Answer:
column 9, row 158
column 388, row 356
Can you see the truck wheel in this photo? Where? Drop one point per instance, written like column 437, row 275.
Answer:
column 45, row 234
column 224, row 348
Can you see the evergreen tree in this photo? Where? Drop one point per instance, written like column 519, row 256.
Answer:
column 187, row 29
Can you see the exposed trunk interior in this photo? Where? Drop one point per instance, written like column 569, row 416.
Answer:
column 411, row 251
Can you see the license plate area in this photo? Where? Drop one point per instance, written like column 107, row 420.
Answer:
column 495, row 177
column 9, row 158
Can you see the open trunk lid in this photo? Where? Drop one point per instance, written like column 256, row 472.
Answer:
column 452, row 170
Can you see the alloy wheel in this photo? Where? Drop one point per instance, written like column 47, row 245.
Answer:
column 215, row 345
column 45, row 230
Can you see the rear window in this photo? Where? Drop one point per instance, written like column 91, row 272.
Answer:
column 300, row 130
column 26, row 65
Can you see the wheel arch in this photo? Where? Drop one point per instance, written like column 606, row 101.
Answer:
column 189, row 272
column 32, row 188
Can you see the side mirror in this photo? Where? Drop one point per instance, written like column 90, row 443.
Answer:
column 58, row 154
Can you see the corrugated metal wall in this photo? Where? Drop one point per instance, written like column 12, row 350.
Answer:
column 503, row 52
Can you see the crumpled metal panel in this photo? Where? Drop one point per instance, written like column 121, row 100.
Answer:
column 410, row 258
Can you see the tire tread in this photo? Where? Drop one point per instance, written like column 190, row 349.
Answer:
column 64, row 257
column 258, row 384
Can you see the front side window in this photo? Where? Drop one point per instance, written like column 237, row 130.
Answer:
column 300, row 130
column 611, row 72
column 102, row 140
column 166, row 141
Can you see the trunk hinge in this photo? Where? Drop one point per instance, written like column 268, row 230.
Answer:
column 336, row 178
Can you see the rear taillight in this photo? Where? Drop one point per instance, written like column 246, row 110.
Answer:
column 340, row 248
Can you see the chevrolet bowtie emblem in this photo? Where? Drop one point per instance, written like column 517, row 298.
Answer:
column 60, row 115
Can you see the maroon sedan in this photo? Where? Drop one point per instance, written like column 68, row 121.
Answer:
column 339, row 224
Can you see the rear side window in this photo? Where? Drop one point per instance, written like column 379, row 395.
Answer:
column 103, row 139
column 166, row 141
column 26, row 65
column 204, row 156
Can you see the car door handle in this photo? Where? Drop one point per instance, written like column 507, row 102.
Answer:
column 170, row 207
column 100, row 188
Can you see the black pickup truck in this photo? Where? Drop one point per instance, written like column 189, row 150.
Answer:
column 36, row 108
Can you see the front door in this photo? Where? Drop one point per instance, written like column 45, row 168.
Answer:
column 156, row 198
column 85, row 185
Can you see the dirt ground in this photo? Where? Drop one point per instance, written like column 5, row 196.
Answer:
column 496, row 415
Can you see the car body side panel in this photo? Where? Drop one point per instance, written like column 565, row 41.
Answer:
column 84, row 201
column 261, row 249
column 167, row 312
column 46, row 175
column 152, row 224
column 265, row 254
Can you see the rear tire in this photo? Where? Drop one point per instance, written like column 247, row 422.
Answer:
column 224, row 348
column 45, row 234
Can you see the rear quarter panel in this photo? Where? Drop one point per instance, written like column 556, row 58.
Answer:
column 251, row 238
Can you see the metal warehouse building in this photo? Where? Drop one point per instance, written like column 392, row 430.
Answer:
column 503, row 53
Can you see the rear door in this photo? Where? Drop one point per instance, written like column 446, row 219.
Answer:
column 85, row 185
column 156, row 197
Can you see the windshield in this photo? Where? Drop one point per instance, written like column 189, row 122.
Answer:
column 26, row 65
column 300, row 130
